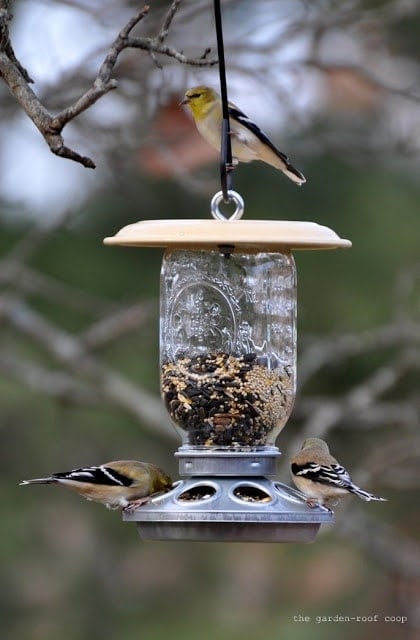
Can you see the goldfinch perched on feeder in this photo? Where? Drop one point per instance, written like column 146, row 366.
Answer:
column 123, row 484
column 247, row 140
column 321, row 478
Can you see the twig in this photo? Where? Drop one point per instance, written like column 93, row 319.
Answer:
column 103, row 82
column 112, row 326
column 152, row 46
column 164, row 30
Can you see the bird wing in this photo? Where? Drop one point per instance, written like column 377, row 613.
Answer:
column 333, row 474
column 238, row 115
column 242, row 118
column 102, row 475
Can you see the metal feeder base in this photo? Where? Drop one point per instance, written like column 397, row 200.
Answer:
column 229, row 509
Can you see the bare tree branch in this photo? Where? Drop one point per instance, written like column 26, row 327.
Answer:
column 36, row 111
column 14, row 273
column 51, row 127
column 397, row 554
column 52, row 383
column 5, row 44
column 112, row 326
column 69, row 352
column 322, row 352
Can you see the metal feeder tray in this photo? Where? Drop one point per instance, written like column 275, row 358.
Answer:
column 214, row 505
column 229, row 510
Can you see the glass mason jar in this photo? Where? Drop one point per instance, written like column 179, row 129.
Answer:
column 228, row 346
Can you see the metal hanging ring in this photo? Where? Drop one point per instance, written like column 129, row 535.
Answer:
column 233, row 196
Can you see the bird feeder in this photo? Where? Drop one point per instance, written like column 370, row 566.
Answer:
column 228, row 374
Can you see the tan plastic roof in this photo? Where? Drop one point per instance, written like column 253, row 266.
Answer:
column 251, row 234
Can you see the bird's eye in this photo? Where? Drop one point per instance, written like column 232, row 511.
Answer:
column 195, row 95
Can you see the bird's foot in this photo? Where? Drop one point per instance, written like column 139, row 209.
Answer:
column 136, row 503
column 313, row 502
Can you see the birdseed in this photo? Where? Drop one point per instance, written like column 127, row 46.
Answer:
column 224, row 400
column 251, row 494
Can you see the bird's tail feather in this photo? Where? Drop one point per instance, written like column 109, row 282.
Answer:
column 38, row 481
column 294, row 174
column 280, row 161
column 365, row 495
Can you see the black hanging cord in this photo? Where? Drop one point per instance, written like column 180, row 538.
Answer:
column 226, row 165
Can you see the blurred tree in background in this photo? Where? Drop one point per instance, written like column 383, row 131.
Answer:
column 337, row 83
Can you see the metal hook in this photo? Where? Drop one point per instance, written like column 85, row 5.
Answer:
column 232, row 196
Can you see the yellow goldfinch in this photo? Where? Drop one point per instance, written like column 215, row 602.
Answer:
column 321, row 478
column 247, row 140
column 123, row 484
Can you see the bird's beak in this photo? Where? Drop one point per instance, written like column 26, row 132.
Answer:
column 184, row 101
